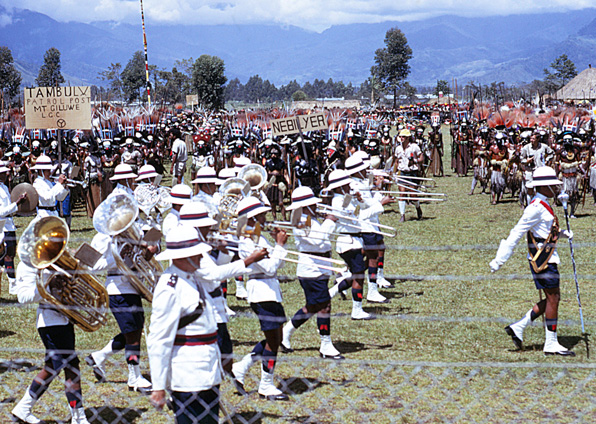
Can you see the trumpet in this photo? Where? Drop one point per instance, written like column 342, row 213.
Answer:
column 341, row 214
column 409, row 195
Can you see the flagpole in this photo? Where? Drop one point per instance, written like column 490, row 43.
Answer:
column 146, row 61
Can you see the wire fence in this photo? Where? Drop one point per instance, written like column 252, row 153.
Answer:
column 348, row 391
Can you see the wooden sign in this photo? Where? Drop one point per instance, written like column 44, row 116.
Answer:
column 192, row 99
column 65, row 108
column 295, row 124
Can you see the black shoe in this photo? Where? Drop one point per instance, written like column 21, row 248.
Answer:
column 419, row 213
column 239, row 386
column 338, row 357
column 285, row 349
column 561, row 353
column 516, row 340
column 282, row 396
column 97, row 372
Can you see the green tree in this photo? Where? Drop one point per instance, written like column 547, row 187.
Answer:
column 442, row 87
column 299, row 95
column 133, row 77
column 234, row 90
column 407, row 92
column 49, row 73
column 113, row 76
column 563, row 71
column 391, row 63
column 10, row 77
column 208, row 79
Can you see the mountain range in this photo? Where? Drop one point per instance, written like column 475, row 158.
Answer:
column 513, row 49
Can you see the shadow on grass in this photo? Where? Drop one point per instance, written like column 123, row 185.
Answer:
column 6, row 333
column 401, row 295
column 112, row 414
column 353, row 347
column 5, row 301
column 300, row 385
column 257, row 417
column 18, row 364
column 241, row 308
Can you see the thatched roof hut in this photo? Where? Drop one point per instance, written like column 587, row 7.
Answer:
column 582, row 87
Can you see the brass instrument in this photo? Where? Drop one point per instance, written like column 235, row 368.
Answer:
column 353, row 221
column 232, row 191
column 164, row 204
column 72, row 290
column 116, row 217
column 255, row 175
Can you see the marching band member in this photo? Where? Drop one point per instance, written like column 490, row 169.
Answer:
column 179, row 196
column 182, row 351
column 541, row 226
column 126, row 306
column 58, row 337
column 9, row 236
column 348, row 245
column 147, row 175
column 124, row 178
column 264, row 296
column 409, row 159
column 206, row 181
column 179, row 157
column 195, row 214
column 314, row 280
column 372, row 207
column 48, row 191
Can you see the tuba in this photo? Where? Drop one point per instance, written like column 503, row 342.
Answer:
column 232, row 191
column 255, row 175
column 116, row 217
column 71, row 290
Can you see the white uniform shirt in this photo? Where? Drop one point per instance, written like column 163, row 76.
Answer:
column 213, row 287
column 48, row 193
column 370, row 207
column 316, row 241
column 7, row 208
column 262, row 284
column 171, row 221
column 116, row 282
column 345, row 242
column 184, row 368
column 537, row 219
column 27, row 293
column 404, row 156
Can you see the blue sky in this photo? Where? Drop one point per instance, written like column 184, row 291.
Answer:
column 315, row 15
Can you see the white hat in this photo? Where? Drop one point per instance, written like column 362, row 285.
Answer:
column 225, row 174
column 543, row 176
column 180, row 194
column 240, row 163
column 182, row 242
column 338, row 178
column 355, row 164
column 205, row 175
column 43, row 162
column 251, row 207
column 303, row 196
column 123, row 172
column 196, row 214
column 146, row 171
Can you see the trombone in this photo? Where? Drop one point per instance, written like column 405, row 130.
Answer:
column 341, row 214
column 257, row 230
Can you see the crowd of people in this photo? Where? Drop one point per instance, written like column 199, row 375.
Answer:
column 212, row 231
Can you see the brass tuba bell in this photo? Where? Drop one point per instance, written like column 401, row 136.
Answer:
column 255, row 175
column 71, row 289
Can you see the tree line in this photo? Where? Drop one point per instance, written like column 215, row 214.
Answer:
column 205, row 77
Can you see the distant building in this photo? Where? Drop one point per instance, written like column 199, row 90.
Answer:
column 328, row 103
column 582, row 87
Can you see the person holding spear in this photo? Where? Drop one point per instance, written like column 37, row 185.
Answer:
column 542, row 228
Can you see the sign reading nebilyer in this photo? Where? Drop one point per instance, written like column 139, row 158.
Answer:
column 295, row 124
column 67, row 108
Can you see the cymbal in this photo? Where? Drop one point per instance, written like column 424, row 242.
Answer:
column 29, row 206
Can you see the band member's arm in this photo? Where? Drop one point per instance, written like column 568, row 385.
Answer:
column 531, row 217
column 27, row 284
column 231, row 270
column 12, row 207
column 266, row 266
column 102, row 243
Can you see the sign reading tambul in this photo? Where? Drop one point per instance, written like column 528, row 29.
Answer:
column 67, row 108
column 312, row 122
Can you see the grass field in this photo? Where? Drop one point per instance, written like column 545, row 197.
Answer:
column 436, row 353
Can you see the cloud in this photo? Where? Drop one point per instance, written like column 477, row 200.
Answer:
column 310, row 14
